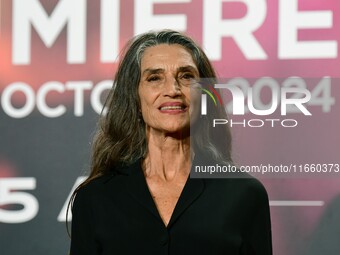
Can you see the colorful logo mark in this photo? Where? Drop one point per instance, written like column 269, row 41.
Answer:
column 213, row 94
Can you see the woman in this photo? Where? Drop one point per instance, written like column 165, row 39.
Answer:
column 139, row 198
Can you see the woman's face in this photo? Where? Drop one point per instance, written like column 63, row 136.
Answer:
column 164, row 89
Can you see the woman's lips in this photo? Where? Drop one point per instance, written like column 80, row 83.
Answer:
column 172, row 108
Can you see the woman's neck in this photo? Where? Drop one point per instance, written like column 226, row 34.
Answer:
column 168, row 155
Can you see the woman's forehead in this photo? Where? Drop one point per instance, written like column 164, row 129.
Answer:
column 166, row 56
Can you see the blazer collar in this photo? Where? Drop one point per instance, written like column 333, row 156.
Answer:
column 138, row 189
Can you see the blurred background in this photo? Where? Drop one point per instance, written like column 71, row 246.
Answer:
column 58, row 59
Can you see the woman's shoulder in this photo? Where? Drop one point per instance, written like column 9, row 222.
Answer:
column 93, row 186
column 243, row 185
column 111, row 179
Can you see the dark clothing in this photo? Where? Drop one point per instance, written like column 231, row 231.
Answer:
column 115, row 214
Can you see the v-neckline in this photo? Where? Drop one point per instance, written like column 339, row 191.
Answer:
column 139, row 189
column 155, row 203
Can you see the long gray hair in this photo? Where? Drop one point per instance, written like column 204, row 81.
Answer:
column 121, row 135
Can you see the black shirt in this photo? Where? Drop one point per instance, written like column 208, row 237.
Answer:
column 115, row 214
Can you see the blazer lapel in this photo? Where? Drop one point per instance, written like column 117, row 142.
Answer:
column 191, row 191
column 138, row 189
column 193, row 188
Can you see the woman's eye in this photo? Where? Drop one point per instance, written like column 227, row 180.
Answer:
column 187, row 76
column 187, row 79
column 153, row 78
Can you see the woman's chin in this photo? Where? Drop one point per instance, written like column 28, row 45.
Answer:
column 175, row 131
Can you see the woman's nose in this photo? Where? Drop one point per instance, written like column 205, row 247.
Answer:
column 172, row 87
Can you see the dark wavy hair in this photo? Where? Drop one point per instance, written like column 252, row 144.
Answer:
column 121, row 136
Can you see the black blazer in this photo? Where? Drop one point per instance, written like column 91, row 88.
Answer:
column 115, row 214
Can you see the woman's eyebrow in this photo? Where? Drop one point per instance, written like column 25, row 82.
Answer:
column 153, row 70
column 187, row 68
